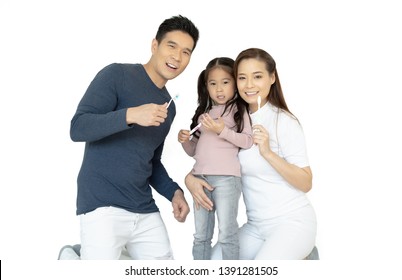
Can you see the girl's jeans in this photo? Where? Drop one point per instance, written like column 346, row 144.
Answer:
column 225, row 197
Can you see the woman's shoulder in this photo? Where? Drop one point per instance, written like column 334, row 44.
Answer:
column 285, row 115
column 282, row 114
column 285, row 119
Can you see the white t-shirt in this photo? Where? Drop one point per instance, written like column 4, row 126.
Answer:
column 266, row 194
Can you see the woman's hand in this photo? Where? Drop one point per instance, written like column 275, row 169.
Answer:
column 261, row 138
column 196, row 187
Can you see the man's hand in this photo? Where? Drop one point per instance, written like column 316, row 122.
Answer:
column 147, row 114
column 180, row 206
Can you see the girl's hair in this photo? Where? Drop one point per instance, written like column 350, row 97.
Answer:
column 204, row 100
column 275, row 96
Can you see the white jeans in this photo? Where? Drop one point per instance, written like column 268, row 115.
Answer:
column 107, row 230
column 291, row 237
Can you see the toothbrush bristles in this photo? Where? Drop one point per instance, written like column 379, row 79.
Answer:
column 171, row 99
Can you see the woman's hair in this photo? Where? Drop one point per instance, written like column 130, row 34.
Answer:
column 204, row 100
column 275, row 96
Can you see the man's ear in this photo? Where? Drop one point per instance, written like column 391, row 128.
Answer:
column 154, row 45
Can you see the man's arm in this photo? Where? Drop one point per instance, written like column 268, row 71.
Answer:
column 96, row 116
column 180, row 206
column 166, row 187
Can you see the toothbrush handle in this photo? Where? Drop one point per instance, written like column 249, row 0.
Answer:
column 195, row 128
column 170, row 101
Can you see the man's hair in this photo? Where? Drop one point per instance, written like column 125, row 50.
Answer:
column 177, row 23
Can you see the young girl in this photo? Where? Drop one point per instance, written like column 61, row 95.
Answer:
column 222, row 126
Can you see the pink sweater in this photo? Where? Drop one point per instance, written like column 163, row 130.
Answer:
column 217, row 154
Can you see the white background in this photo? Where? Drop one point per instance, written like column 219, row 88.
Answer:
column 340, row 67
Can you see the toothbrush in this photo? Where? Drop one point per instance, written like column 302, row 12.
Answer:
column 171, row 99
column 195, row 128
column 258, row 117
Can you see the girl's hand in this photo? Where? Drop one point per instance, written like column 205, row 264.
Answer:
column 183, row 135
column 261, row 138
column 216, row 125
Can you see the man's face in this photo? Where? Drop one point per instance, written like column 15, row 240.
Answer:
column 171, row 56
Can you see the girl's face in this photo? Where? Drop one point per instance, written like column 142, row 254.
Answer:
column 220, row 86
column 254, row 80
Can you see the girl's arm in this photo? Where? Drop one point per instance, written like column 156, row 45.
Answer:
column 242, row 140
column 187, row 144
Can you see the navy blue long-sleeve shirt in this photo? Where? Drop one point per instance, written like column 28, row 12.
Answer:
column 121, row 162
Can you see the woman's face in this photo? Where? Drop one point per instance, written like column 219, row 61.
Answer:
column 254, row 80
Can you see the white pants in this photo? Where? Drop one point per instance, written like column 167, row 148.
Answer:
column 107, row 230
column 291, row 237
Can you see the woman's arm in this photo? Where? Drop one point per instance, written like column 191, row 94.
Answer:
column 298, row 177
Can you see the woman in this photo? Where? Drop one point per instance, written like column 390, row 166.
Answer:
column 281, row 222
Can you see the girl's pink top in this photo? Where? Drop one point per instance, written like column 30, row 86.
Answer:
column 218, row 154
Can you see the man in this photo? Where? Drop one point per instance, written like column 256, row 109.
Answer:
column 124, row 119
